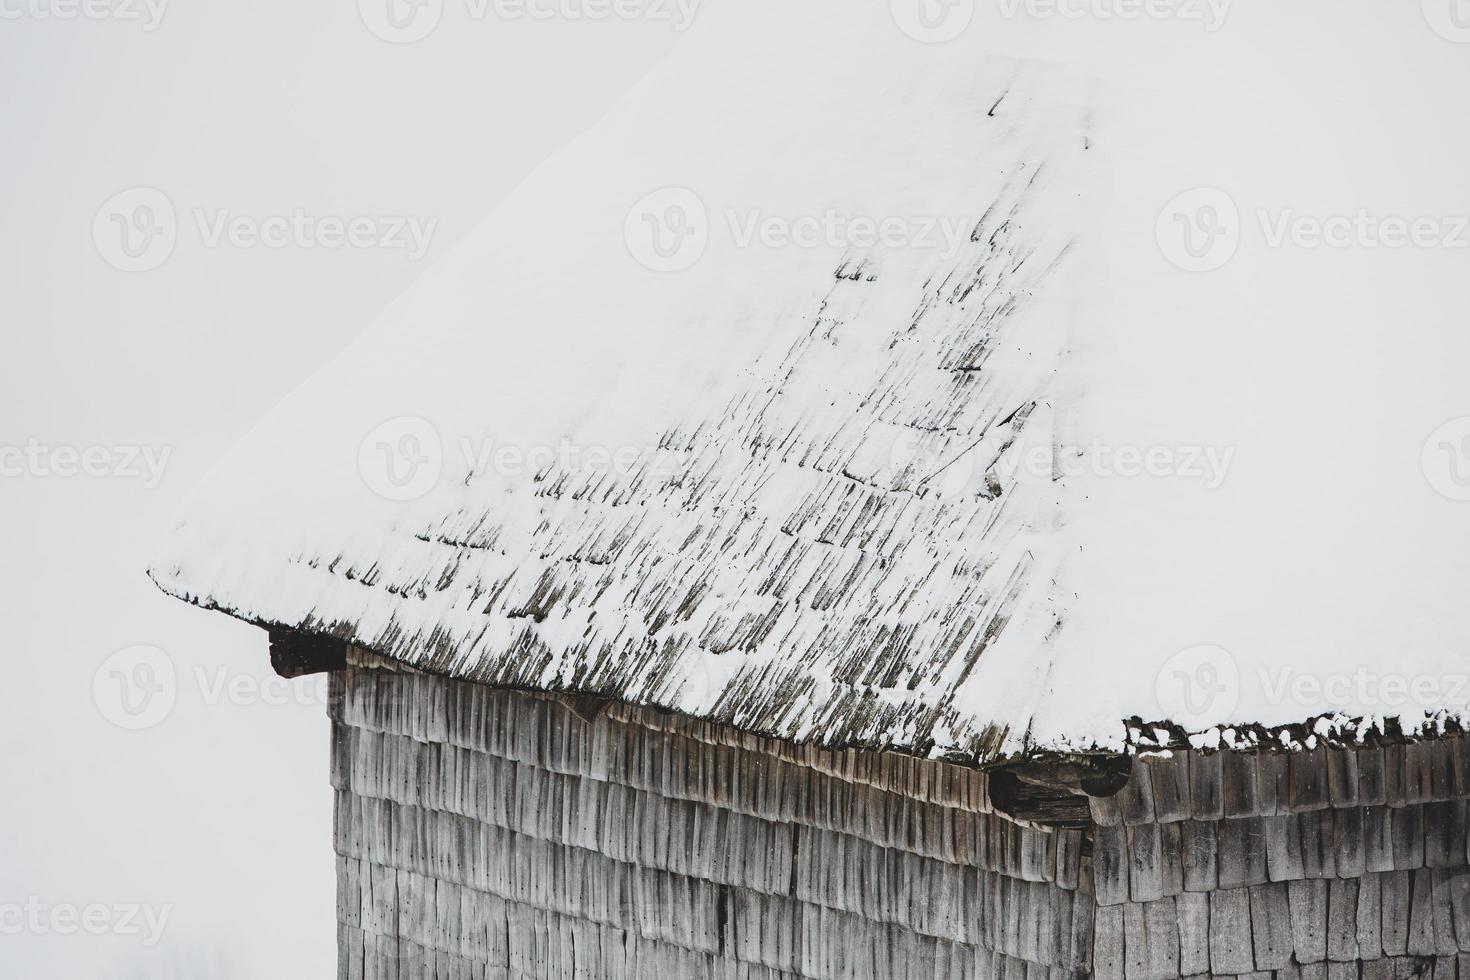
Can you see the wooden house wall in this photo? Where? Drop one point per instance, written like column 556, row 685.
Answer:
column 1330, row 864
column 490, row 834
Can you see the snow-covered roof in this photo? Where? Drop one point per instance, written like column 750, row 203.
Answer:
column 797, row 395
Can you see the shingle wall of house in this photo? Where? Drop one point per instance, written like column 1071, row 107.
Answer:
column 1329, row 864
column 494, row 834
column 491, row 834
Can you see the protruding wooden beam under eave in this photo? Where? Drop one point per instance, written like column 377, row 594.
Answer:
column 1057, row 794
column 297, row 654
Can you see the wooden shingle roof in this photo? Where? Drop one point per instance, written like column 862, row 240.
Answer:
column 824, row 531
column 762, row 402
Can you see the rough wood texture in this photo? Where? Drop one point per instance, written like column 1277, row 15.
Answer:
column 488, row 833
column 1330, row 864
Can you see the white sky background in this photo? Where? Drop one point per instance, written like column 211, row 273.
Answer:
column 222, row 811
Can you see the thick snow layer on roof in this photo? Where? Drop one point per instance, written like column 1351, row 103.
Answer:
column 849, row 388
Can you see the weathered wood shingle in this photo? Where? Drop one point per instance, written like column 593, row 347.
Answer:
column 511, row 839
column 513, row 828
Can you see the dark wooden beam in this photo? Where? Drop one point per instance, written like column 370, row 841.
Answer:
column 296, row 654
column 1046, row 806
column 1056, row 794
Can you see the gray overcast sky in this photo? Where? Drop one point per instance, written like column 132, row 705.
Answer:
column 221, row 809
